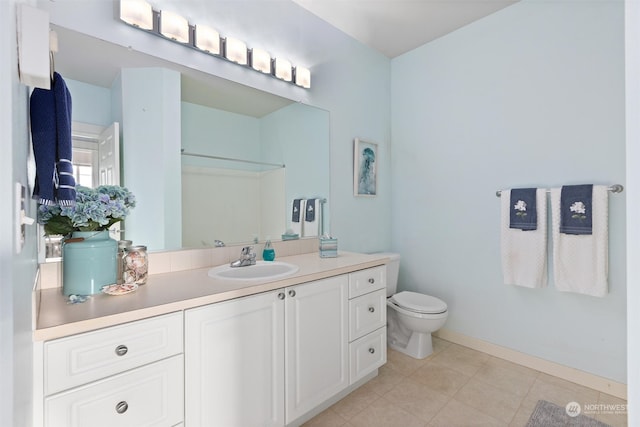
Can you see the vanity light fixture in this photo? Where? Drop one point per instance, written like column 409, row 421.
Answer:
column 207, row 39
column 235, row 51
column 303, row 77
column 283, row 69
column 261, row 60
column 137, row 13
column 174, row 26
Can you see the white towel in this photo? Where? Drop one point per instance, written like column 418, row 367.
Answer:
column 297, row 227
column 581, row 262
column 524, row 253
column 312, row 228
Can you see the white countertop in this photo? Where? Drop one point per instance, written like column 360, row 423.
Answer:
column 170, row 292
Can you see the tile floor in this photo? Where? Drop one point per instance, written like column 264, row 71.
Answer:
column 456, row 387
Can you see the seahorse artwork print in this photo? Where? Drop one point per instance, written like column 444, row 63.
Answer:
column 367, row 172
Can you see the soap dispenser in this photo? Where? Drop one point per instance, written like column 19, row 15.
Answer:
column 268, row 253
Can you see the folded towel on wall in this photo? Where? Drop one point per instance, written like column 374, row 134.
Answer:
column 581, row 261
column 50, row 113
column 297, row 215
column 312, row 218
column 523, row 214
column 524, row 253
column 575, row 209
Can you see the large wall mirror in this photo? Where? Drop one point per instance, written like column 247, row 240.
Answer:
column 226, row 171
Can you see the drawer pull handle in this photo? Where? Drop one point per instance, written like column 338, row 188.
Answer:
column 121, row 350
column 281, row 295
column 371, row 309
column 372, row 350
column 122, row 407
column 372, row 280
column 292, row 293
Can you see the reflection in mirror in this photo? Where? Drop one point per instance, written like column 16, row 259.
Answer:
column 218, row 118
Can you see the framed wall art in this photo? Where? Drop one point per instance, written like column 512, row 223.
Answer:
column 365, row 157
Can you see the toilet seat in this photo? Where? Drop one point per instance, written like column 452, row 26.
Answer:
column 419, row 303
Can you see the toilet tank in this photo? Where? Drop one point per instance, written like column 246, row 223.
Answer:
column 393, row 267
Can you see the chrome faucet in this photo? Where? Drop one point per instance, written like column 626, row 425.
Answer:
column 247, row 257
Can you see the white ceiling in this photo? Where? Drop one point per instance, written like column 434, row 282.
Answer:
column 394, row 27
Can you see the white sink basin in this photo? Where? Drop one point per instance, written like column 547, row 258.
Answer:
column 263, row 270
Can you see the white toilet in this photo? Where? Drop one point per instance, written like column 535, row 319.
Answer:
column 411, row 316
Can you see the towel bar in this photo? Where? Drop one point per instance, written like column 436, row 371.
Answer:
column 615, row 188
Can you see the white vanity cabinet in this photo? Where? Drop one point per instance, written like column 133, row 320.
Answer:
column 267, row 359
column 125, row 375
column 367, row 321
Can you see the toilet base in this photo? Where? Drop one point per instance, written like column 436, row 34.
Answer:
column 420, row 345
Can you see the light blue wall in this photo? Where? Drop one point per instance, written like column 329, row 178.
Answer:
column 219, row 133
column 298, row 136
column 90, row 103
column 151, row 146
column 530, row 96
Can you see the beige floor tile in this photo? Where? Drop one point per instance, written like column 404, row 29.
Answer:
column 613, row 413
column 355, row 402
column 544, row 390
column 588, row 394
column 493, row 401
column 417, row 399
column 521, row 417
column 327, row 418
column 439, row 344
column 402, row 363
column 383, row 413
column 441, row 379
column 387, row 379
column 461, row 359
column 456, row 414
column 507, row 376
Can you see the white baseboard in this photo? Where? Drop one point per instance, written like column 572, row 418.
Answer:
column 586, row 379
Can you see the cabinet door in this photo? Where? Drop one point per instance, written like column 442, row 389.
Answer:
column 317, row 361
column 234, row 362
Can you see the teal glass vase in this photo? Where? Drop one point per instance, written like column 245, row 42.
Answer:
column 89, row 261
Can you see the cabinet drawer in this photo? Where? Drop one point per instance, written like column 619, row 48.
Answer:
column 365, row 281
column 367, row 354
column 149, row 396
column 367, row 313
column 80, row 359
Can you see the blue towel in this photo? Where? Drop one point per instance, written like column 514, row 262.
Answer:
column 295, row 214
column 523, row 213
column 575, row 209
column 310, row 215
column 51, row 136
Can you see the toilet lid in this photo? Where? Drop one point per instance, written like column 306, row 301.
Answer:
column 419, row 303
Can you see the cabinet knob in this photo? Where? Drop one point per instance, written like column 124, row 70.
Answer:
column 281, row 295
column 372, row 280
column 292, row 293
column 122, row 407
column 121, row 350
column 371, row 309
column 372, row 350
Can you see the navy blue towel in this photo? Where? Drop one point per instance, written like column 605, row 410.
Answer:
column 295, row 215
column 523, row 213
column 311, row 210
column 575, row 209
column 51, row 136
